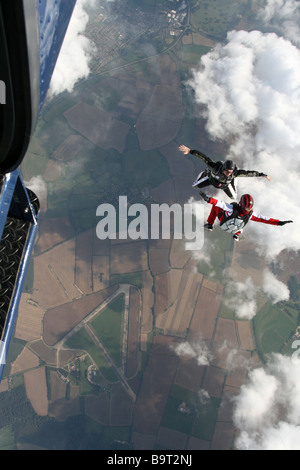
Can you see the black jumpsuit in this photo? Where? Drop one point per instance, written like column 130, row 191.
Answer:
column 214, row 175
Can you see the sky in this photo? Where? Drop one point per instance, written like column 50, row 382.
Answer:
column 247, row 87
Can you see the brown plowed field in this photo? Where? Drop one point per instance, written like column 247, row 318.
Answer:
column 70, row 147
column 245, row 335
column 129, row 257
column 29, row 322
column 153, row 394
column 55, row 270
column 147, row 302
column 189, row 374
column 160, row 121
column 36, row 390
column 98, row 126
column 26, row 360
column 60, row 320
column 225, row 331
column 205, row 315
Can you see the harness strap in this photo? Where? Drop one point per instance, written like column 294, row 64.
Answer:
column 235, row 215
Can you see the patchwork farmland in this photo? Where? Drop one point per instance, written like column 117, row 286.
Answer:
column 167, row 303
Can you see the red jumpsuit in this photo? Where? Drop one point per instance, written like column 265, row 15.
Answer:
column 222, row 209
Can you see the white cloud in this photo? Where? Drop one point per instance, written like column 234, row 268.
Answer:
column 76, row 52
column 275, row 289
column 235, row 360
column 283, row 16
column 203, row 396
column 241, row 298
column 248, row 89
column 253, row 406
column 198, row 350
column 38, row 185
column 267, row 409
column 283, row 436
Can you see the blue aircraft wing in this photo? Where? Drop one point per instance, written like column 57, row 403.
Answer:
column 31, row 35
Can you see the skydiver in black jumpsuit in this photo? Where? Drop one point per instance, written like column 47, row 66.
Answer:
column 219, row 174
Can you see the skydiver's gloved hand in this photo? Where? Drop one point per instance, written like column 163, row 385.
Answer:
column 204, row 196
column 283, row 222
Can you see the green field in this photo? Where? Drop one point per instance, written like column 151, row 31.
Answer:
column 108, row 326
column 191, row 53
column 216, row 17
column 82, row 341
column 206, row 418
column 273, row 327
column 173, row 418
column 129, row 278
column 200, row 418
column 7, row 438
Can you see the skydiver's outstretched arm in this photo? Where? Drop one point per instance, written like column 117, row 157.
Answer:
column 269, row 220
column 251, row 173
column 186, row 150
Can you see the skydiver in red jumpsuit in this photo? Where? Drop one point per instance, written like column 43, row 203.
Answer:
column 234, row 216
